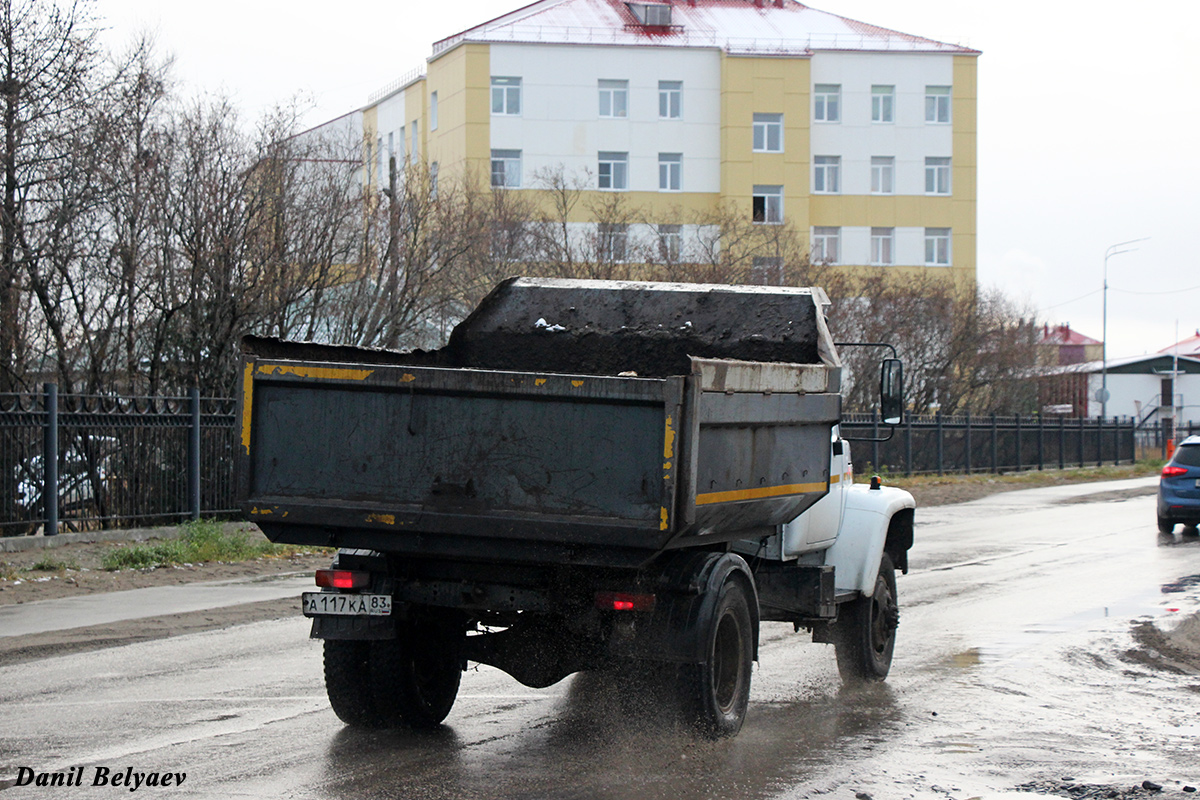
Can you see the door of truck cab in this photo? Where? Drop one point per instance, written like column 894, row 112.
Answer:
column 817, row 528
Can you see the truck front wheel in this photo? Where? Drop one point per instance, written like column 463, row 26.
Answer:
column 385, row 683
column 718, row 690
column 864, row 635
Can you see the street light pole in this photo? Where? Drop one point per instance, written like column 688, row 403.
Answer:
column 1113, row 250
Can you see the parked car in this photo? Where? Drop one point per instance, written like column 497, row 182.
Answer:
column 1179, row 487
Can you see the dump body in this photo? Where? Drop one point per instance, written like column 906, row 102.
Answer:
column 476, row 452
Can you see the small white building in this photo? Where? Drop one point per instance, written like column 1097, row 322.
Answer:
column 1142, row 387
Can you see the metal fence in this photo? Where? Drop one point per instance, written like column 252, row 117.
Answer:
column 939, row 444
column 76, row 462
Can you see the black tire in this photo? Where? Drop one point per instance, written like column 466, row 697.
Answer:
column 717, row 691
column 865, row 632
column 386, row 683
column 1165, row 525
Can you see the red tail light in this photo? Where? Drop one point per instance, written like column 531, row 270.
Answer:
column 342, row 579
column 623, row 601
column 1171, row 471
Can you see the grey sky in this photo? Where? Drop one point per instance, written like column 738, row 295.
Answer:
column 1087, row 123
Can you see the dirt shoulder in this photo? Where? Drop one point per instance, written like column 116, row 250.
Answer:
column 940, row 490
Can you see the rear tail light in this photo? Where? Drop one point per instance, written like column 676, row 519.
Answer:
column 624, row 601
column 1172, row 471
column 342, row 579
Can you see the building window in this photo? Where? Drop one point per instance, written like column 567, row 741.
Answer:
column 827, row 174
column 768, row 133
column 612, row 240
column 378, row 161
column 670, row 99
column 937, row 104
column 506, row 168
column 937, row 176
column 416, row 143
column 670, row 242
column 826, row 245
column 883, row 104
column 433, row 180
column 506, row 96
column 614, row 99
column 508, row 241
column 883, row 175
column 883, row 245
column 647, row 14
column 614, row 171
column 828, row 107
column 401, row 149
column 937, row 247
column 433, row 111
column 670, row 172
column 767, row 271
column 768, row 204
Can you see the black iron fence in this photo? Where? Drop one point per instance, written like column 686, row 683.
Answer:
column 939, row 444
column 75, row 462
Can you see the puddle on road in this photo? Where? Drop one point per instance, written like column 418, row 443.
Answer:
column 1180, row 597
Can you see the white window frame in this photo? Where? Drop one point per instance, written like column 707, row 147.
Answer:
column 670, row 99
column 509, row 172
column 883, row 174
column 883, row 104
column 937, row 247
column 613, row 172
column 506, row 96
column 827, row 102
column 401, row 147
column 767, row 271
column 612, row 241
column 670, row 242
column 614, row 99
column 772, row 205
column 670, row 172
column 433, row 111
column 827, row 174
column 883, row 247
column 937, row 105
column 937, row 175
column 768, row 133
column 826, row 244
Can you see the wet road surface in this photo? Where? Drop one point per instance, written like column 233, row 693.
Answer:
column 1010, row 667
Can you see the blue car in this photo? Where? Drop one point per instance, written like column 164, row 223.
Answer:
column 1179, row 487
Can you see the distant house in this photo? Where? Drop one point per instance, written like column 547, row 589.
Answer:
column 1138, row 387
column 1188, row 347
column 1058, row 345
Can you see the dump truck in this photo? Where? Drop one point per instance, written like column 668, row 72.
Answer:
column 590, row 476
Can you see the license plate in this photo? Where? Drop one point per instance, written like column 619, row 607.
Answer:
column 1198, row 483
column 318, row 604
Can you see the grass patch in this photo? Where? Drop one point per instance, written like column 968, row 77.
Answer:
column 49, row 563
column 202, row 541
column 1024, row 479
column 8, row 572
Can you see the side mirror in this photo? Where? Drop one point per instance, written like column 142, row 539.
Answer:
column 891, row 391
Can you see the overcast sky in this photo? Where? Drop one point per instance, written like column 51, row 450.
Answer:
column 1087, row 123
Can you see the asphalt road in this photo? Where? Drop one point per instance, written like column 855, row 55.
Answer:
column 1013, row 665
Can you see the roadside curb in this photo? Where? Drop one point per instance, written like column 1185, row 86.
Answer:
column 20, row 544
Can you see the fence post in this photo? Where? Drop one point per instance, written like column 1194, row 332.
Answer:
column 908, row 444
column 50, row 461
column 194, row 455
column 1018, row 418
column 1062, row 442
column 1041, row 440
column 875, row 444
column 1099, row 441
column 967, row 443
column 941, row 446
column 995, row 451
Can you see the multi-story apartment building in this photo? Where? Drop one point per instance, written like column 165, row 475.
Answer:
column 862, row 138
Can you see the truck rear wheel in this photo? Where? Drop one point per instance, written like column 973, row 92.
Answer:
column 865, row 631
column 718, row 690
column 385, row 683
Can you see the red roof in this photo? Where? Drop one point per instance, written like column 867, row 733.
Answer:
column 1063, row 335
column 1188, row 347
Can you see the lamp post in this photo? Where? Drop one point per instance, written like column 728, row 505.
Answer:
column 1113, row 250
